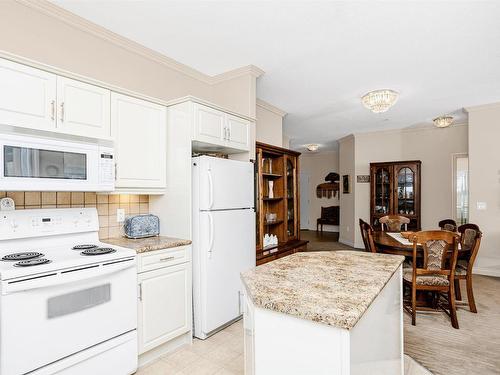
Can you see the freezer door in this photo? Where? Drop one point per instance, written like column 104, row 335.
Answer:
column 223, row 184
column 228, row 249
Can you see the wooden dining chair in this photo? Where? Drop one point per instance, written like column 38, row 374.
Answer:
column 393, row 223
column 367, row 235
column 436, row 274
column 470, row 241
column 448, row 224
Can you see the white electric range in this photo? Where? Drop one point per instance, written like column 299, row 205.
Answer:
column 68, row 303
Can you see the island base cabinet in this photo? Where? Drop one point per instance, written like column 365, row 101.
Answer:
column 277, row 343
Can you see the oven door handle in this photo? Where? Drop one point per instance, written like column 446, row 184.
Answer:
column 67, row 276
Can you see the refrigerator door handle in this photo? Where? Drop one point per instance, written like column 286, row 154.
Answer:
column 211, row 235
column 210, row 189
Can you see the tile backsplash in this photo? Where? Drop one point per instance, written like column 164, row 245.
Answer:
column 106, row 205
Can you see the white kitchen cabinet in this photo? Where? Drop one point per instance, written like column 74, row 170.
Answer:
column 27, row 96
column 139, row 130
column 83, row 109
column 209, row 125
column 238, row 132
column 212, row 127
column 164, row 309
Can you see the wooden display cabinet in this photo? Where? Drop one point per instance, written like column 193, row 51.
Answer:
column 277, row 210
column 395, row 190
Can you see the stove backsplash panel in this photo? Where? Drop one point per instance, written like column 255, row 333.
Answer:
column 106, row 204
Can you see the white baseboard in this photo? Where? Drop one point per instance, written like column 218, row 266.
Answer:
column 486, row 271
column 168, row 347
column 346, row 242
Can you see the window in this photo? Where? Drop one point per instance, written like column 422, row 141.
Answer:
column 461, row 187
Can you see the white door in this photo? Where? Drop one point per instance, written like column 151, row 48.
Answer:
column 238, row 130
column 228, row 239
column 164, row 305
column 139, row 130
column 27, row 96
column 209, row 125
column 304, row 200
column 223, row 184
column 84, row 109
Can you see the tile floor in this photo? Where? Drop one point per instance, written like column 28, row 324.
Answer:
column 222, row 354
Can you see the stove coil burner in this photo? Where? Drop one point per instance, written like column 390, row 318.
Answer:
column 84, row 247
column 32, row 262
column 98, row 251
column 22, row 256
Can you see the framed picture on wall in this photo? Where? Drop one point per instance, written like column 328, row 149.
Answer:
column 346, row 186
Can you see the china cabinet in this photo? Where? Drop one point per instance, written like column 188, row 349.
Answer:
column 395, row 190
column 277, row 202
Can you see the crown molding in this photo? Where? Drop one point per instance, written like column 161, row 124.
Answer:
column 251, row 70
column 346, row 138
column 483, row 107
column 82, row 24
column 409, row 130
column 271, row 108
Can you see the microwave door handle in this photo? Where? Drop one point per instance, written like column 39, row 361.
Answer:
column 210, row 189
column 210, row 234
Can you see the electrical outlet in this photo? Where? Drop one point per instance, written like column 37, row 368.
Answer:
column 120, row 215
column 481, row 205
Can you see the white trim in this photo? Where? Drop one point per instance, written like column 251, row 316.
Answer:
column 486, row 271
column 454, row 158
column 345, row 242
column 408, row 130
column 271, row 108
column 345, row 138
column 483, row 107
column 82, row 24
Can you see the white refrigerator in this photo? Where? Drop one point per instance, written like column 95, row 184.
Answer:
column 223, row 240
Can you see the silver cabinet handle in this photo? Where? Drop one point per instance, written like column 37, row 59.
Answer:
column 167, row 259
column 139, row 294
column 53, row 110
column 225, row 134
column 116, row 170
column 239, row 302
column 62, row 112
column 228, row 134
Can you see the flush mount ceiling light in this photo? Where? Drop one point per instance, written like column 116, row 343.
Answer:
column 312, row 147
column 443, row 121
column 379, row 101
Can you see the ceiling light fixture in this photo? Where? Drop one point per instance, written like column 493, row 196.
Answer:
column 443, row 121
column 379, row 101
column 312, row 147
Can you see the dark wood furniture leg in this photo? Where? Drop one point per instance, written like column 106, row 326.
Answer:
column 458, row 293
column 470, row 294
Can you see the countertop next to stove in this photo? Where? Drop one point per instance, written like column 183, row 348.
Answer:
column 143, row 245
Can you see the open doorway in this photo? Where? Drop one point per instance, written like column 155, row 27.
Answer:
column 461, row 188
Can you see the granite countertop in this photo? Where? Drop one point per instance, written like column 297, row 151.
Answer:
column 143, row 245
column 329, row 287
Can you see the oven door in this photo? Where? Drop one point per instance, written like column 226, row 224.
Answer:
column 28, row 163
column 64, row 314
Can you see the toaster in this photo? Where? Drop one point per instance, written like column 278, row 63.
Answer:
column 141, row 226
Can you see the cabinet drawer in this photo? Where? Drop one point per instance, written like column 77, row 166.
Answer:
column 163, row 258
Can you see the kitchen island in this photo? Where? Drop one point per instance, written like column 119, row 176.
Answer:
column 325, row 313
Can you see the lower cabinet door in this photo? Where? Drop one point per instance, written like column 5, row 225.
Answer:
column 164, row 305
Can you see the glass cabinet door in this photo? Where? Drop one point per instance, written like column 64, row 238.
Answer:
column 382, row 190
column 405, row 190
column 291, row 198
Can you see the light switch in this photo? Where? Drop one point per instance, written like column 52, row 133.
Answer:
column 120, row 215
column 481, row 205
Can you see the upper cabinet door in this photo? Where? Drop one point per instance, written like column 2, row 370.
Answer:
column 238, row 130
column 209, row 125
column 139, row 130
column 83, row 109
column 27, row 96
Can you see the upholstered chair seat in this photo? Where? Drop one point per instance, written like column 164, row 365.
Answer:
column 429, row 280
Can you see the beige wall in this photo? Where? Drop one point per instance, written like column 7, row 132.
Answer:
column 347, row 202
column 316, row 167
column 269, row 124
column 47, row 34
column 484, row 183
column 434, row 147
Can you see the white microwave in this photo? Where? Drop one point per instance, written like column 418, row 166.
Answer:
column 42, row 164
